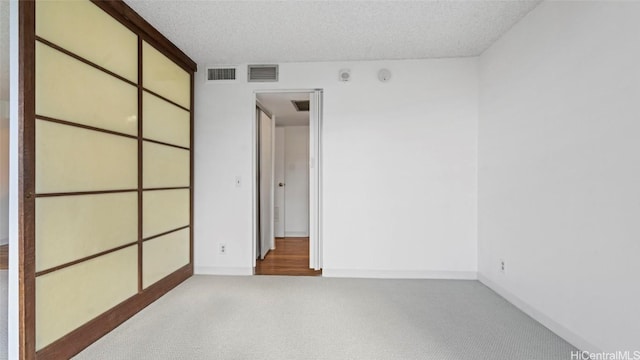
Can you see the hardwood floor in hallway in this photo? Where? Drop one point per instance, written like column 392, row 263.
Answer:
column 291, row 257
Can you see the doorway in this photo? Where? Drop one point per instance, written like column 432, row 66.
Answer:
column 287, row 183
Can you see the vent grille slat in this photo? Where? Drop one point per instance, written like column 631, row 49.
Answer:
column 263, row 73
column 216, row 74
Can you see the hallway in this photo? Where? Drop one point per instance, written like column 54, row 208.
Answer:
column 291, row 257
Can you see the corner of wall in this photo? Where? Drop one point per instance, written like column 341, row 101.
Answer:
column 557, row 328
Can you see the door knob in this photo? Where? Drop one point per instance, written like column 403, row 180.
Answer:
column 281, row 184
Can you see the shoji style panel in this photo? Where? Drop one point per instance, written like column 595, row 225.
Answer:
column 109, row 220
column 71, row 90
column 70, row 158
column 106, row 195
column 164, row 77
column 166, row 165
column 164, row 210
column 83, row 29
column 165, row 122
column 70, row 297
column 164, row 255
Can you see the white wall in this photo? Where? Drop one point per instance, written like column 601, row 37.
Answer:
column 559, row 170
column 399, row 168
column 296, row 198
column 4, row 122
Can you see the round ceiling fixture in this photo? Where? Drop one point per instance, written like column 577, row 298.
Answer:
column 344, row 75
column 384, row 75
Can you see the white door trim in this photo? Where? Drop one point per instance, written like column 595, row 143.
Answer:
column 315, row 180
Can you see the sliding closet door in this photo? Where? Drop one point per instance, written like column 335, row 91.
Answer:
column 86, row 158
column 107, row 171
column 166, row 164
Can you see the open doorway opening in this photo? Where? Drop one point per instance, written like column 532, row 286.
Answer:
column 287, row 186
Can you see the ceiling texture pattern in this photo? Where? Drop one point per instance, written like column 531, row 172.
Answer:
column 238, row 32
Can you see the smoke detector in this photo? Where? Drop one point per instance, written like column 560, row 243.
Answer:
column 384, row 75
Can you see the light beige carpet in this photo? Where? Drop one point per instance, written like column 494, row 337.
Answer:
column 271, row 317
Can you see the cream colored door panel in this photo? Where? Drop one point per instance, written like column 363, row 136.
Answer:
column 164, row 255
column 164, row 210
column 165, row 166
column 70, row 297
column 164, row 77
column 70, row 90
column 69, row 228
column 85, row 30
column 165, row 122
column 71, row 159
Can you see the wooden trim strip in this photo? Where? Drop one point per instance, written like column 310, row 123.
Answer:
column 166, row 144
column 166, row 99
column 26, row 179
column 165, row 233
column 86, row 258
column 191, row 179
column 169, row 188
column 83, row 126
column 140, row 168
column 83, row 60
column 97, row 192
column 75, row 341
column 129, row 18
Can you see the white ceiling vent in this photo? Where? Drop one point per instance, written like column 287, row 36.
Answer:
column 263, row 73
column 222, row 73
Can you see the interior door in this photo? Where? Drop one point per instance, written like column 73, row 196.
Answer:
column 279, row 185
column 266, row 183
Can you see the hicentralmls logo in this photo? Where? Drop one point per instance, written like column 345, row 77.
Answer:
column 617, row 355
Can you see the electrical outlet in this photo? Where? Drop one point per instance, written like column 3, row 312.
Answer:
column 501, row 266
column 223, row 249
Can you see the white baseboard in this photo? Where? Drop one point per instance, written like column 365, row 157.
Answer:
column 218, row 270
column 400, row 274
column 296, row 234
column 560, row 330
column 4, row 241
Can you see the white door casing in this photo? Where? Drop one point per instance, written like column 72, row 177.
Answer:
column 315, row 180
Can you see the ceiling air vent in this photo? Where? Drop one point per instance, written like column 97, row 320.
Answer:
column 263, row 73
column 221, row 73
column 301, row 105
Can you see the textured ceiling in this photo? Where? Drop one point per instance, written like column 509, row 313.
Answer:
column 280, row 106
column 235, row 32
